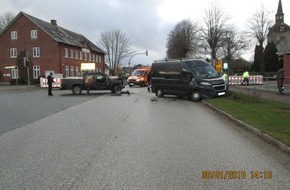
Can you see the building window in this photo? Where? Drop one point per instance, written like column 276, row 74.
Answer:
column 93, row 56
column 14, row 73
column 13, row 52
column 36, row 71
column 76, row 55
column 66, row 71
column 97, row 58
column 71, row 53
column 72, row 71
column 81, row 55
column 65, row 52
column 33, row 34
column 100, row 59
column 36, row 52
column 77, row 72
column 90, row 57
column 86, row 56
column 14, row 35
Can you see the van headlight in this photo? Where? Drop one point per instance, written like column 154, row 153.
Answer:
column 205, row 83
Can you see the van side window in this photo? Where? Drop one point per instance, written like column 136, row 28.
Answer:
column 186, row 76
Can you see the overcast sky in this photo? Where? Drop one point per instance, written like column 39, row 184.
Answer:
column 146, row 22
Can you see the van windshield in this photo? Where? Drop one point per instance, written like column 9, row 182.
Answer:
column 137, row 73
column 202, row 69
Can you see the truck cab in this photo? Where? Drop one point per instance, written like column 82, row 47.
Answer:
column 139, row 77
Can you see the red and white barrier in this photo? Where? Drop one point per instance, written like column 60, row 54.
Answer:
column 237, row 80
column 55, row 84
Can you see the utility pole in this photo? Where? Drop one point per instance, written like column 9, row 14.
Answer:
column 146, row 52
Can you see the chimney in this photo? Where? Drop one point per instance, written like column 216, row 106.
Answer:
column 53, row 22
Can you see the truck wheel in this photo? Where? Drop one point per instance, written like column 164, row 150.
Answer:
column 159, row 93
column 117, row 89
column 195, row 96
column 77, row 90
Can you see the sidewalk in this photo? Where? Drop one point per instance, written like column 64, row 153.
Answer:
column 267, row 90
column 19, row 87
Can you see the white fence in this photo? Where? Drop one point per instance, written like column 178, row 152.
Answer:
column 237, row 80
column 55, row 84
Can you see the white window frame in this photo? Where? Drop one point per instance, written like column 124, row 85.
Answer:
column 81, row 55
column 72, row 71
column 13, row 52
column 36, row 52
column 66, row 71
column 65, row 52
column 33, row 34
column 93, row 57
column 77, row 71
column 71, row 53
column 36, row 71
column 90, row 57
column 13, row 35
column 76, row 54
column 86, row 56
column 14, row 73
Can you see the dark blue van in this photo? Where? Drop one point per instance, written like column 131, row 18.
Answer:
column 194, row 78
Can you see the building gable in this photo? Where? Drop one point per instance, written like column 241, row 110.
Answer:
column 279, row 33
column 59, row 34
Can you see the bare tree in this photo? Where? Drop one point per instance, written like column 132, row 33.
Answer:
column 5, row 19
column 182, row 40
column 233, row 43
column 117, row 47
column 212, row 28
column 259, row 24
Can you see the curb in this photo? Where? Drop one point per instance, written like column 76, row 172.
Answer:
column 257, row 132
column 19, row 87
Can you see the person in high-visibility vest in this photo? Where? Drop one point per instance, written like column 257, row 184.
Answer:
column 246, row 77
column 224, row 76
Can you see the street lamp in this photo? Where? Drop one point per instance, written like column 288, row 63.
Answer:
column 133, row 56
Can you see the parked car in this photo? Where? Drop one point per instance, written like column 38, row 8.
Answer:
column 194, row 78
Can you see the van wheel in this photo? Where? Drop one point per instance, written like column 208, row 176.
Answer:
column 195, row 96
column 159, row 93
column 77, row 90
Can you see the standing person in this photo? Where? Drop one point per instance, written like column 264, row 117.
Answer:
column 88, row 82
column 246, row 77
column 149, row 81
column 49, row 82
column 280, row 80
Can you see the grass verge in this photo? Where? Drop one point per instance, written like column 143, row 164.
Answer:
column 270, row 117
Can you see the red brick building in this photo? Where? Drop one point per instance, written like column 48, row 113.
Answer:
column 49, row 48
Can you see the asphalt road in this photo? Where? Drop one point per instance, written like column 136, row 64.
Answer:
column 132, row 142
column 23, row 106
